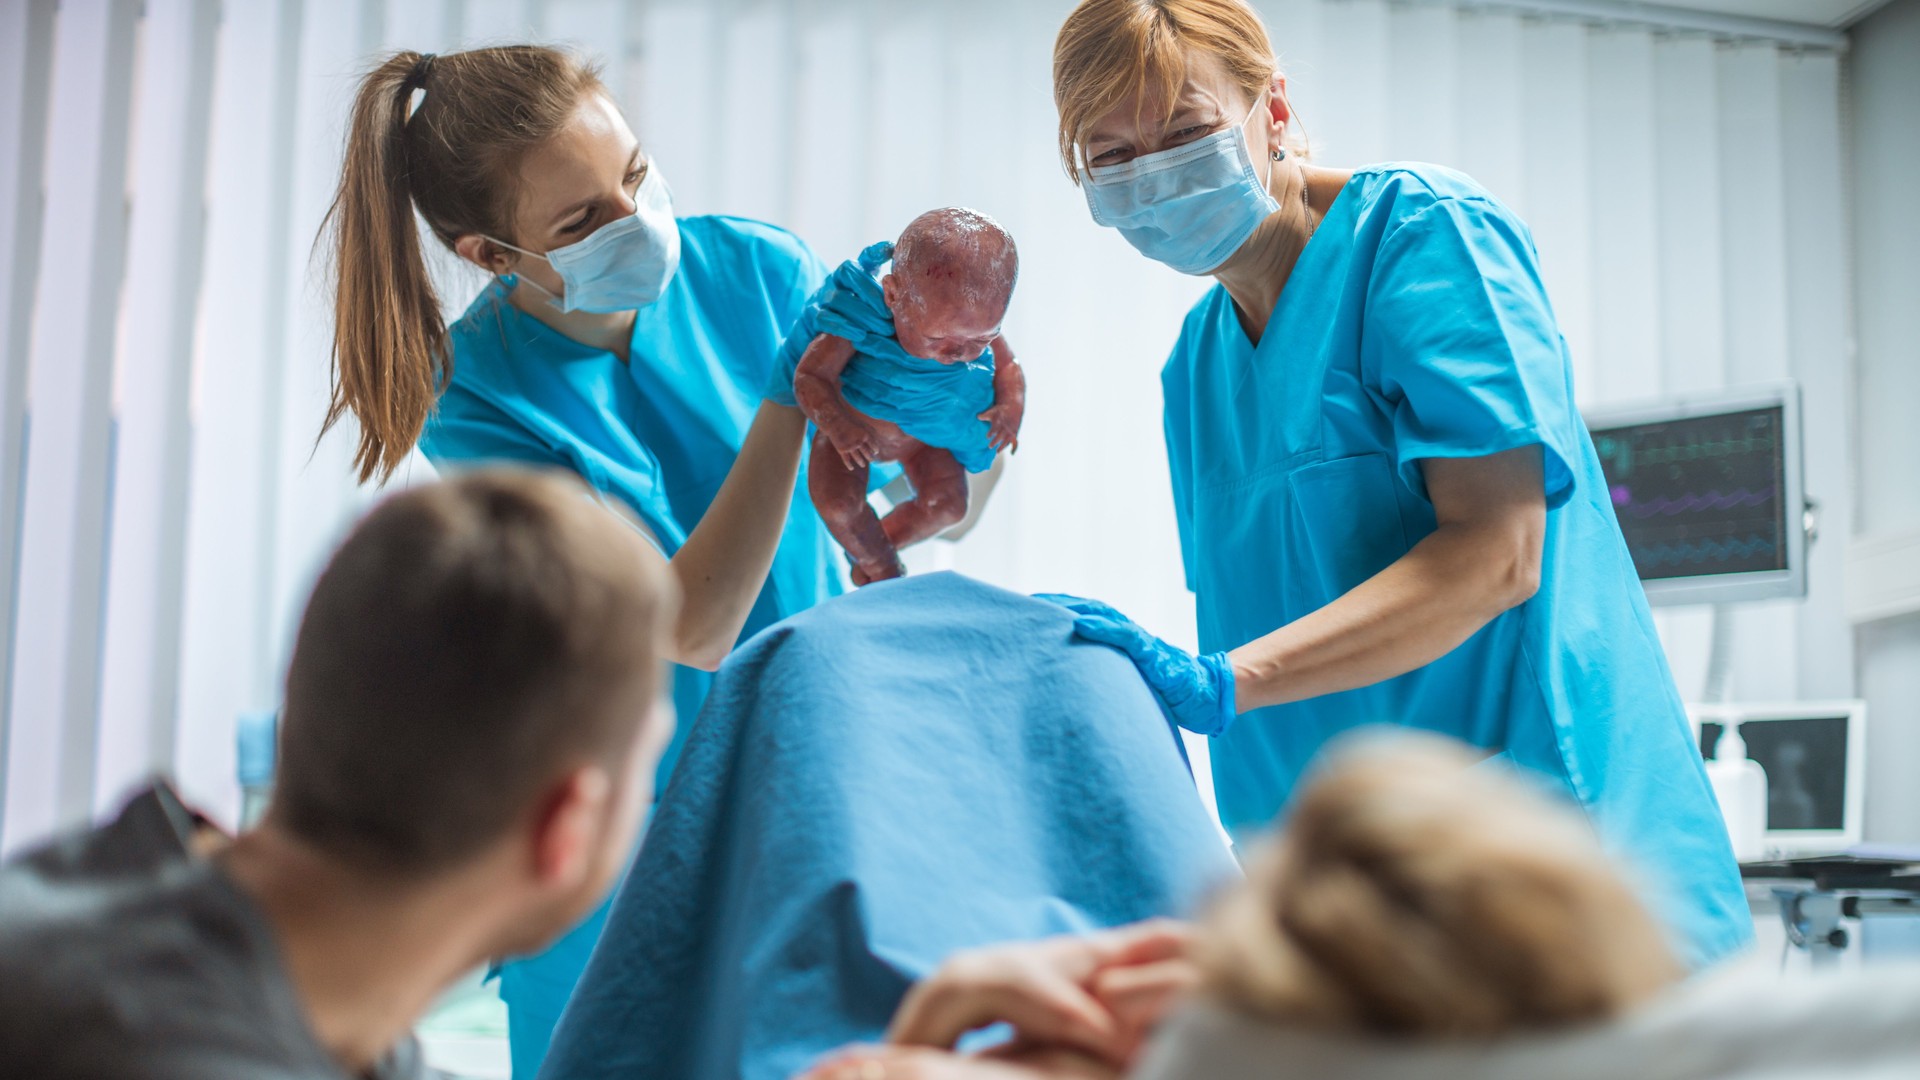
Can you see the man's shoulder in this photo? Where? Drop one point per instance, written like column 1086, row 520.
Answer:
column 124, row 954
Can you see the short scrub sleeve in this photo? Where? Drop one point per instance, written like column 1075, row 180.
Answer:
column 1461, row 345
column 466, row 433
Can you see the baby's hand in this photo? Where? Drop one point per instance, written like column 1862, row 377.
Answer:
column 1003, row 425
column 857, row 443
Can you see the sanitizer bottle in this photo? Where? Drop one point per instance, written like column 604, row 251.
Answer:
column 1741, row 786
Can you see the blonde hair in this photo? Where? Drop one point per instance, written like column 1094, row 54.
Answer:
column 456, row 159
column 1111, row 51
column 1410, row 893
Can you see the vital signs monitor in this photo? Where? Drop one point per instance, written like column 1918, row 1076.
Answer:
column 1707, row 488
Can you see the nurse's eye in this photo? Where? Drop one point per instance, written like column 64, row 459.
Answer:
column 575, row 226
column 636, row 176
column 1188, row 134
column 1111, row 157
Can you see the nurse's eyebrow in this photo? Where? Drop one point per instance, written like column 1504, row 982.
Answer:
column 633, row 162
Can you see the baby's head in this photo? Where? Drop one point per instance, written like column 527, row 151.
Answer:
column 953, row 274
column 1411, row 893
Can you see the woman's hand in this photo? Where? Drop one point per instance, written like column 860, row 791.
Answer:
column 1196, row 691
column 922, row 1063
column 1049, row 992
column 1079, row 1006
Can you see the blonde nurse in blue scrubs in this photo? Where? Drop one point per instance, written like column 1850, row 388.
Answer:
column 1389, row 507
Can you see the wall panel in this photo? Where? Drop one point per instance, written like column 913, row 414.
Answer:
column 1819, row 346
column 226, row 667
column 1560, row 203
column 1624, row 173
column 139, row 679
column 26, row 67
column 54, row 690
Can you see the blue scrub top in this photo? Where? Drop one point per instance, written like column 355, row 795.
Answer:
column 1415, row 325
column 661, row 431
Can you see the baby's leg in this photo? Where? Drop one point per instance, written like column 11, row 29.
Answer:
column 840, row 494
column 939, row 497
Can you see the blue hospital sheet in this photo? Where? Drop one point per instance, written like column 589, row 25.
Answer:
column 924, row 765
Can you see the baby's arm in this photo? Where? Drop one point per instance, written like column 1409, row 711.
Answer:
column 816, row 387
column 1009, row 399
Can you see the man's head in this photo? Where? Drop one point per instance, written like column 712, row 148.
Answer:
column 474, row 683
column 953, row 274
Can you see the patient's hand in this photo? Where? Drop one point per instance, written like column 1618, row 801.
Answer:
column 924, row 1063
column 1079, row 1007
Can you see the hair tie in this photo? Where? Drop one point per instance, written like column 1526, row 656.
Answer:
column 417, row 75
column 413, row 88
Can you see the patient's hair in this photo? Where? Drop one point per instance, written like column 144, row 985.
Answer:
column 1410, row 893
column 470, row 642
column 959, row 249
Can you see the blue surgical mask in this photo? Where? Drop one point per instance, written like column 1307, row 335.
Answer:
column 1190, row 207
column 623, row 264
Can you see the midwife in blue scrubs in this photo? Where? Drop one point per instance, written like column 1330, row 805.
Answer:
column 1389, row 508
column 613, row 340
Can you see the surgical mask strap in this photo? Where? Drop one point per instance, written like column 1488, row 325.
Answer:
column 511, row 247
column 552, row 299
column 1272, row 155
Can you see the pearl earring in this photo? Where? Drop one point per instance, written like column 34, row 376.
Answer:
column 1279, row 154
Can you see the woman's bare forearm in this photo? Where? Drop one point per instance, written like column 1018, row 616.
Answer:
column 725, row 561
column 1417, row 610
column 1483, row 559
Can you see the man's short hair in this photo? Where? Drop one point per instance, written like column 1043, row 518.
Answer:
column 471, row 641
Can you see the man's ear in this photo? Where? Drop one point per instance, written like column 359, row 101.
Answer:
column 889, row 289
column 483, row 253
column 568, row 826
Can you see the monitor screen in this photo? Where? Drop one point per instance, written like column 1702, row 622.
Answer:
column 1701, row 495
column 1805, row 759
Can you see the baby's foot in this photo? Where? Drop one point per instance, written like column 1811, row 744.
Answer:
column 868, row 573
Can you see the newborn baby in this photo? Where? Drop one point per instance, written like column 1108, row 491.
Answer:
column 912, row 368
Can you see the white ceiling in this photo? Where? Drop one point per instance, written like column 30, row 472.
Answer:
column 1830, row 13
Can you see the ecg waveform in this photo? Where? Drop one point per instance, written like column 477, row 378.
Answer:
column 1700, row 552
column 1700, row 495
column 1712, row 500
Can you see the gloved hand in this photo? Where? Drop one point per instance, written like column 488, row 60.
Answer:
column 1196, row 691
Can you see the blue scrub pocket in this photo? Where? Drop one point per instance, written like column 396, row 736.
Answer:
column 1350, row 518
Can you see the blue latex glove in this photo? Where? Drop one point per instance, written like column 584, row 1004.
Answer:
column 1196, row 691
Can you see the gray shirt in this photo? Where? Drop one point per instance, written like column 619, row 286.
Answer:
column 123, row 954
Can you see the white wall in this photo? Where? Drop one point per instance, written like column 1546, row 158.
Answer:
column 172, row 168
column 1884, row 115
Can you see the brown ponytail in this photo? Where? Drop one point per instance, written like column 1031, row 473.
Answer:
column 1412, row 894
column 455, row 159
